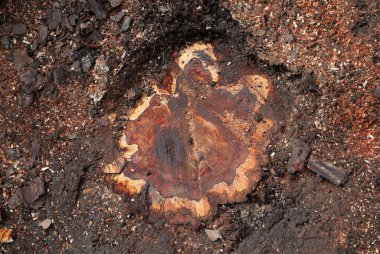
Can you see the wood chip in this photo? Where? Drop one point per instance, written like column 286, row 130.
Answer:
column 213, row 235
column 6, row 235
column 45, row 224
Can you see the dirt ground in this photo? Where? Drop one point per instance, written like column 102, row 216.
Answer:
column 322, row 56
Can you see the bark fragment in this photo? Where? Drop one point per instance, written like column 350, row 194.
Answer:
column 330, row 172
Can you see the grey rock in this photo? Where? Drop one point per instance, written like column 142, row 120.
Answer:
column 34, row 86
column 86, row 62
column 114, row 3
column 5, row 42
column 300, row 152
column 21, row 59
column 73, row 18
column 15, row 200
column 127, row 21
column 42, row 34
column 72, row 136
column 288, row 38
column 29, row 76
column 14, row 154
column 61, row 74
column 54, row 18
column 119, row 16
column 19, row 29
column 34, row 152
column 66, row 24
column 33, row 191
column 98, row 9
column 377, row 91
column 95, row 36
column 102, row 121
column 25, row 99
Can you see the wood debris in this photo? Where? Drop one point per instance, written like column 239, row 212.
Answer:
column 328, row 171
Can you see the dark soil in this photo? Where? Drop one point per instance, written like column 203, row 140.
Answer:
column 323, row 59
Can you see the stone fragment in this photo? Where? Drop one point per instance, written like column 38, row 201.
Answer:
column 19, row 29
column 213, row 235
column 45, row 224
column 25, row 99
column 98, row 9
column 72, row 136
column 288, row 37
column 61, row 74
column 119, row 16
column 54, row 18
column 33, row 191
column 328, row 171
column 114, row 3
column 14, row 154
column 95, row 36
column 126, row 23
column 15, row 200
column 21, row 59
column 300, row 152
column 5, row 42
column 34, row 152
column 66, row 24
column 377, row 91
column 29, row 76
column 73, row 18
column 100, row 72
column 42, row 34
column 86, row 63
column 34, row 86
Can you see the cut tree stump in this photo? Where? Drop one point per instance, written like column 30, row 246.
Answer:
column 195, row 143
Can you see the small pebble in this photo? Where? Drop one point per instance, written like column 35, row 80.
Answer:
column 5, row 42
column 213, row 235
column 29, row 76
column 14, row 154
column 126, row 23
column 42, row 34
column 114, row 3
column 19, row 29
column 54, row 18
column 95, row 36
column 86, row 63
column 72, row 136
column 73, row 18
column 98, row 9
column 119, row 16
column 377, row 91
column 21, row 59
column 45, row 224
